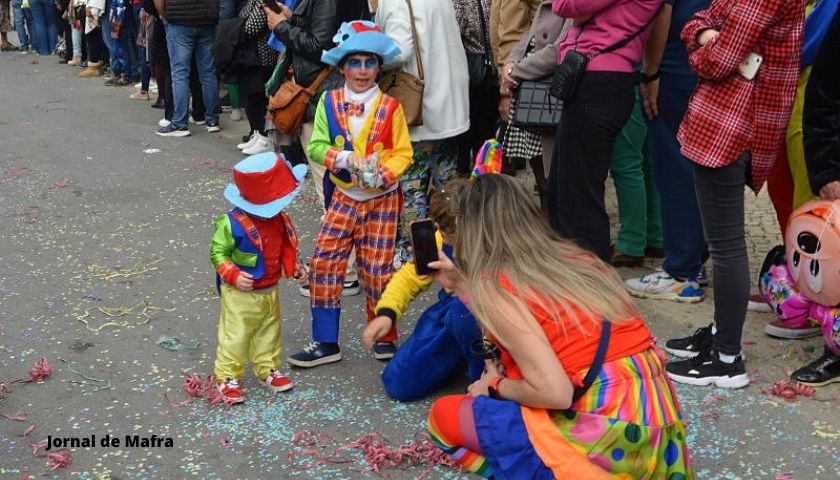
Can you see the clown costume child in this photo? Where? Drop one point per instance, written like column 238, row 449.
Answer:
column 253, row 246
column 361, row 136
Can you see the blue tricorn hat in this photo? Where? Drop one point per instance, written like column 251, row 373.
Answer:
column 361, row 36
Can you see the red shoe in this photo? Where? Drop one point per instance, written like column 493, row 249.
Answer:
column 277, row 382
column 232, row 391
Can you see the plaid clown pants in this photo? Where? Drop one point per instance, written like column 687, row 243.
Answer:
column 371, row 227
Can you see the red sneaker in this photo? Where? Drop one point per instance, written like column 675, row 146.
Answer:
column 277, row 382
column 232, row 390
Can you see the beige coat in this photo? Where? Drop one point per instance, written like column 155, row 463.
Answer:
column 509, row 21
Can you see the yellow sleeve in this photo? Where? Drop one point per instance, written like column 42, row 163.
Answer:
column 404, row 287
column 395, row 161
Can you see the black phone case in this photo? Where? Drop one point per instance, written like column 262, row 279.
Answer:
column 425, row 250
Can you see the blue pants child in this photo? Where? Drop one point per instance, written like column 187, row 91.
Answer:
column 440, row 342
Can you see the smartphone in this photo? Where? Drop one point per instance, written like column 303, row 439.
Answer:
column 749, row 67
column 424, row 245
column 272, row 4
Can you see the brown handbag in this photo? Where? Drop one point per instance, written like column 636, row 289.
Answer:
column 405, row 87
column 287, row 106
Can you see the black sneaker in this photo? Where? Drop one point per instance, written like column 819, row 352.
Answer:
column 384, row 350
column 709, row 369
column 821, row 371
column 316, row 353
column 213, row 127
column 172, row 131
column 690, row 347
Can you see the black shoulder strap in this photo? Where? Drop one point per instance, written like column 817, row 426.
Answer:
column 597, row 363
column 627, row 40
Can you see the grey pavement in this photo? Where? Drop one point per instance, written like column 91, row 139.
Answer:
column 94, row 219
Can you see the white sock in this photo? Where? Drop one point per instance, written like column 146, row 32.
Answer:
column 727, row 358
column 714, row 330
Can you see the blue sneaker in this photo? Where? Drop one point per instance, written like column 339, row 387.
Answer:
column 662, row 286
column 171, row 130
column 702, row 278
column 316, row 353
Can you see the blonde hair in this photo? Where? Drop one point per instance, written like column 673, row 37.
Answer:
column 501, row 232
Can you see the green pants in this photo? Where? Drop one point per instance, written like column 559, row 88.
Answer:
column 638, row 201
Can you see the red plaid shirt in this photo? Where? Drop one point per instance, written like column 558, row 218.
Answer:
column 728, row 114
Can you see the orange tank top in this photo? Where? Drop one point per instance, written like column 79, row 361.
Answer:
column 575, row 349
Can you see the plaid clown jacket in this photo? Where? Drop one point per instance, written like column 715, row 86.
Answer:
column 728, row 114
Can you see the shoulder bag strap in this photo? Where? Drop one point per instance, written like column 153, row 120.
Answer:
column 313, row 88
column 415, row 40
column 597, row 363
column 627, row 40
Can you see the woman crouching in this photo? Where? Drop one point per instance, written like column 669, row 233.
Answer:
column 554, row 312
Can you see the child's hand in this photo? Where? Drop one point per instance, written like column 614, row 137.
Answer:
column 300, row 274
column 376, row 329
column 244, row 282
column 354, row 162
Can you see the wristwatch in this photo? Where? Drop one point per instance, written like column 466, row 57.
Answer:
column 493, row 388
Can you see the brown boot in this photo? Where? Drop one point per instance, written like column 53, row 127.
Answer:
column 93, row 70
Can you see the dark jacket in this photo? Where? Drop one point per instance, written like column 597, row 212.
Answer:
column 821, row 118
column 157, row 47
column 310, row 32
column 307, row 34
column 192, row 13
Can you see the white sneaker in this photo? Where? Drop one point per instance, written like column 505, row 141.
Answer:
column 662, row 286
column 197, row 122
column 260, row 145
column 250, row 142
column 163, row 122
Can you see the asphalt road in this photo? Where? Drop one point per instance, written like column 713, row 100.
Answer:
column 92, row 219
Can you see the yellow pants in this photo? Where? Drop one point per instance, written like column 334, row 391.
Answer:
column 249, row 329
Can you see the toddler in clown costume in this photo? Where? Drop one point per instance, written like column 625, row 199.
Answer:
column 253, row 246
column 361, row 136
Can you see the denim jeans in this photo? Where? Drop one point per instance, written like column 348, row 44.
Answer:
column 230, row 8
column 121, row 52
column 184, row 41
column 46, row 31
column 682, row 232
column 720, row 196
column 106, row 30
column 142, row 56
column 23, row 24
column 77, row 41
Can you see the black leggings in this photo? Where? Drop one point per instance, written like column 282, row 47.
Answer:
column 252, row 96
column 582, row 153
column 95, row 46
column 720, row 196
